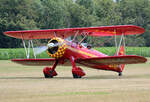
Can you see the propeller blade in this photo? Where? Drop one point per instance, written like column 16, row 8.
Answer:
column 50, row 45
column 40, row 49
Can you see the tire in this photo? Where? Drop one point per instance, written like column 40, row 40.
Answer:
column 50, row 74
column 120, row 74
column 46, row 76
column 76, row 76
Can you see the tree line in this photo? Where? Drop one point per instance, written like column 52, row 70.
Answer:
column 53, row 14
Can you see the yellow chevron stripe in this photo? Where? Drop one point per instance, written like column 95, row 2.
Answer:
column 82, row 52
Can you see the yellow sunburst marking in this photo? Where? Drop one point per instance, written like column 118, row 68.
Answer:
column 61, row 49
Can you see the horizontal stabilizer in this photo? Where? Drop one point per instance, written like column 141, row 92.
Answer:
column 128, row 59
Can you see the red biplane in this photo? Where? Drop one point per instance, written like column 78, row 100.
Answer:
column 69, row 53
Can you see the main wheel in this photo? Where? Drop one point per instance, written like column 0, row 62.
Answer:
column 76, row 76
column 48, row 72
column 46, row 76
column 51, row 74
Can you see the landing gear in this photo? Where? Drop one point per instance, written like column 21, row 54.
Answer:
column 76, row 76
column 120, row 74
column 77, row 72
column 49, row 72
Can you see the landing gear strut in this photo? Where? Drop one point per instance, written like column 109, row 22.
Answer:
column 77, row 72
column 49, row 72
column 120, row 74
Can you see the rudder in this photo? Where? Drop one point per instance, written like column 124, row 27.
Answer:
column 121, row 53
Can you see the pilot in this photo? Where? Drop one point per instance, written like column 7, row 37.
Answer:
column 89, row 46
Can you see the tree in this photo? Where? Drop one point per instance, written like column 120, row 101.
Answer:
column 136, row 12
column 19, row 17
column 53, row 15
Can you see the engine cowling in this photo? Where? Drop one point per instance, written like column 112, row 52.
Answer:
column 58, row 48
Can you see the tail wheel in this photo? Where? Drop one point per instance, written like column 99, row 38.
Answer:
column 120, row 74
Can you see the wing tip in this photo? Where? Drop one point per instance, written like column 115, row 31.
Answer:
column 142, row 59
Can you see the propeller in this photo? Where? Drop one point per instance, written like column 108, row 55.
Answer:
column 40, row 49
column 52, row 47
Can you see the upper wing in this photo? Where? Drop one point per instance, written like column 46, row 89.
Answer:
column 108, row 60
column 64, row 33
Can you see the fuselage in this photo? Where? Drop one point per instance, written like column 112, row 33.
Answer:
column 77, row 51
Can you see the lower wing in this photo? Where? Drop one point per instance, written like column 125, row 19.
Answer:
column 35, row 62
column 88, row 61
column 40, row 62
column 108, row 60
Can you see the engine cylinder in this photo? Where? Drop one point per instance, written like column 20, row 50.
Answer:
column 59, row 48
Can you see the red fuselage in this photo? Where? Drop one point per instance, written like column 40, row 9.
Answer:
column 80, row 52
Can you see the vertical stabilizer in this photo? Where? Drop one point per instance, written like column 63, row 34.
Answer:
column 121, row 53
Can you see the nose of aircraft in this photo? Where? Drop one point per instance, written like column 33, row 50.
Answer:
column 50, row 45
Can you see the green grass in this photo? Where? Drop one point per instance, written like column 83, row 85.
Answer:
column 10, row 53
column 27, row 84
column 6, row 54
column 140, row 51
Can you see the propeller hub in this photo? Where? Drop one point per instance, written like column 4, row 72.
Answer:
column 56, row 47
column 50, row 45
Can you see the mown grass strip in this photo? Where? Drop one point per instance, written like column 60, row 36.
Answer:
column 85, row 93
column 79, row 93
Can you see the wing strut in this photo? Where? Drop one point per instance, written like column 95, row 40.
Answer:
column 30, row 44
column 124, row 44
column 25, row 48
column 55, row 34
column 75, row 36
column 33, row 49
column 85, row 35
column 121, row 42
column 115, row 40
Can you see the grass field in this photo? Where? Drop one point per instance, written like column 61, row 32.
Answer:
column 26, row 84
